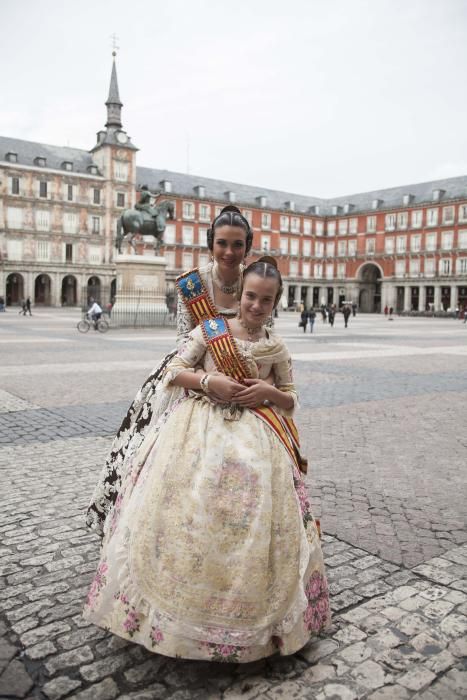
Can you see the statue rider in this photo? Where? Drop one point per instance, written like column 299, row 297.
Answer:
column 144, row 203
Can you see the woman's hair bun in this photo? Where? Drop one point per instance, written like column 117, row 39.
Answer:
column 231, row 207
column 268, row 259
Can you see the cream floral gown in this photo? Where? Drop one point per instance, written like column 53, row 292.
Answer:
column 211, row 551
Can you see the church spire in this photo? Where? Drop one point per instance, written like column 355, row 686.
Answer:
column 113, row 104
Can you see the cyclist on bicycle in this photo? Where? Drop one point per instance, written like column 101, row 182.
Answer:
column 94, row 312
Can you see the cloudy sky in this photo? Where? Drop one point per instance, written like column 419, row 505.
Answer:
column 319, row 97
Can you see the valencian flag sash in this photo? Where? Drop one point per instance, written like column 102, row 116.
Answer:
column 221, row 345
column 195, row 296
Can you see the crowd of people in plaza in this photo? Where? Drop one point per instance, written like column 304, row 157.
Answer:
column 328, row 314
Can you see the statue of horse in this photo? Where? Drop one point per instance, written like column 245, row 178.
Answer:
column 135, row 222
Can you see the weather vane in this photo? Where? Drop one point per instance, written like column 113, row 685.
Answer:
column 115, row 47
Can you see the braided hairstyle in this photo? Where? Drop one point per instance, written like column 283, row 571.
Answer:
column 230, row 216
column 265, row 266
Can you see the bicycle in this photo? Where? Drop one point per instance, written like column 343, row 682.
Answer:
column 86, row 324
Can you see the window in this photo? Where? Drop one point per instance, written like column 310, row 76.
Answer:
column 318, row 270
column 402, row 220
column 14, row 185
column 446, row 240
column 293, row 268
column 67, row 165
column 15, row 217
column 248, row 215
column 187, row 261
column 370, row 224
column 70, row 222
column 343, row 227
column 342, row 248
column 295, row 224
column 284, row 223
column 329, row 271
column 305, row 269
column 169, row 234
column 169, row 255
column 95, row 254
column 429, row 267
column 462, row 239
column 69, row 193
column 306, row 248
column 284, row 245
column 331, row 228
column 400, row 268
column 307, row 227
column 68, row 252
column 319, row 228
column 120, row 199
column 417, row 218
column 294, row 246
column 187, row 235
column 319, row 249
column 43, row 189
column 330, row 250
column 389, row 245
column 430, row 241
column 14, row 250
column 462, row 266
column 370, row 246
column 448, row 215
column 217, row 210
column 445, row 266
column 401, row 241
column 43, row 250
column 463, row 212
column 415, row 243
column 341, row 270
column 203, row 237
column 96, row 196
column 431, row 217
column 203, row 259
column 414, row 267
column 352, row 247
column 265, row 220
column 42, row 220
column 204, row 212
column 121, row 170
column 265, row 243
column 188, row 210
column 390, row 222
column 96, row 224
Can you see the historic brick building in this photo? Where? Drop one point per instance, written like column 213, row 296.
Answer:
column 404, row 247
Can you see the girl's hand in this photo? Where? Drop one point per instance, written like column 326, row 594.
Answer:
column 254, row 393
column 223, row 388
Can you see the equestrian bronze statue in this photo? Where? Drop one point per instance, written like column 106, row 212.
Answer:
column 144, row 220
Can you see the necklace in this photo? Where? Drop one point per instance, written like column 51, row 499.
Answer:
column 225, row 288
column 253, row 332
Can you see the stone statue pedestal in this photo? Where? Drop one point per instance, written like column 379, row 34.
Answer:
column 141, row 291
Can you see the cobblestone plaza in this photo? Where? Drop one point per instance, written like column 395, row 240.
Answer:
column 382, row 418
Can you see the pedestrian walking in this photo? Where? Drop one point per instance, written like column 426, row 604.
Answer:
column 386, row 310
column 22, row 310
column 354, row 309
column 391, row 311
column 331, row 316
column 28, row 306
column 312, row 318
column 323, row 313
column 304, row 319
column 346, row 311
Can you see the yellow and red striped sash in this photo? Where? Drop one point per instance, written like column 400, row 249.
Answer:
column 195, row 296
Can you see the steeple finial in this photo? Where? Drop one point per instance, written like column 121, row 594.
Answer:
column 113, row 104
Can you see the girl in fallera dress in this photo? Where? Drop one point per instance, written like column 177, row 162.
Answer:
column 211, row 550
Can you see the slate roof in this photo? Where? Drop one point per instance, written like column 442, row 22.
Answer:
column 246, row 195
column 114, row 97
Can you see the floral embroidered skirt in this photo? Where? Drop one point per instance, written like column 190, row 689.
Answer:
column 211, row 551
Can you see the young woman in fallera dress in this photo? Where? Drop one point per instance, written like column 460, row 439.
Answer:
column 211, row 551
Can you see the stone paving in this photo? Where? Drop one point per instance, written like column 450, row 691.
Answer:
column 386, row 439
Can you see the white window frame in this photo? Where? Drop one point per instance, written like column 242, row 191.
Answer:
column 204, row 212
column 307, row 227
column 445, row 266
column 330, row 271
column 306, row 248
column 462, row 240
column 401, row 244
column 343, row 227
column 265, row 221
column 187, row 260
column 331, row 228
column 203, row 237
column 318, row 270
column 432, row 216
column 319, row 228
column 169, row 255
column 306, row 269
column 295, row 224
column 284, row 223
column 293, row 268
column 416, row 218
column 461, row 266
column 447, row 240
column 428, row 238
column 188, row 235
column 370, row 224
column 448, row 219
column 390, row 222
column 170, row 234
column 389, row 245
column 429, row 267
column 265, row 243
column 341, row 270
column 370, row 246
column 294, row 246
column 352, row 247
column 330, row 249
column 400, row 268
column 319, row 249
column 188, row 211
column 284, row 245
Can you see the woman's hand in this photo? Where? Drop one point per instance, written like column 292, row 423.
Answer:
column 254, row 393
column 223, row 388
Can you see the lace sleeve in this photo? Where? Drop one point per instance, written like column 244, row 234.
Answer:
column 184, row 322
column 283, row 380
column 189, row 355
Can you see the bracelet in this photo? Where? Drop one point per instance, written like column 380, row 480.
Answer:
column 204, row 383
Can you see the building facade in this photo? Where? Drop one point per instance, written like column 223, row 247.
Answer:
column 404, row 247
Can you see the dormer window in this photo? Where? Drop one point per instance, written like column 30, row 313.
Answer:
column 335, row 210
column 92, row 169
column 166, row 185
column 290, row 205
column 348, row 208
column 11, row 157
column 262, row 200
column 67, row 165
column 40, row 161
column 437, row 195
column 376, row 203
column 200, row 191
column 231, row 196
column 407, row 199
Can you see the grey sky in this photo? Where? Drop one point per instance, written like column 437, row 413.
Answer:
column 323, row 98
